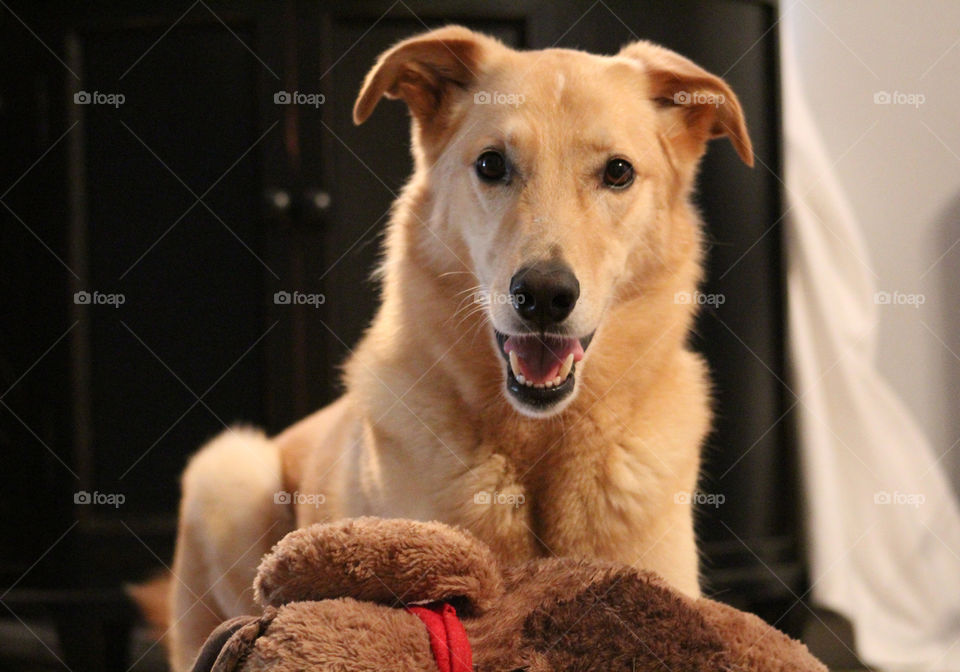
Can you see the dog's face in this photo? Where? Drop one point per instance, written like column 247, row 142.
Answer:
column 557, row 172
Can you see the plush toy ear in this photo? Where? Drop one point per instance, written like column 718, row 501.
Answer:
column 424, row 71
column 391, row 562
column 696, row 105
column 229, row 643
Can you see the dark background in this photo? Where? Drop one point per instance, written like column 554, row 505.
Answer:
column 198, row 198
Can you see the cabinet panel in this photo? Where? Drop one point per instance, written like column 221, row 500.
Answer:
column 167, row 296
column 189, row 277
column 35, row 327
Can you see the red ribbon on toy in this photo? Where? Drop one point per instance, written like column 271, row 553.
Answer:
column 448, row 639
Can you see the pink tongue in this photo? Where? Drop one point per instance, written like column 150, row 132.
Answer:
column 542, row 356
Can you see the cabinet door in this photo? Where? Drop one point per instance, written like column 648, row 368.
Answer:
column 171, row 133
column 35, row 422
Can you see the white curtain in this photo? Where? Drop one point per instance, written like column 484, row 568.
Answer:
column 883, row 526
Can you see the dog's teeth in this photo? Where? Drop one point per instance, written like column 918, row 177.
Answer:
column 562, row 374
column 515, row 364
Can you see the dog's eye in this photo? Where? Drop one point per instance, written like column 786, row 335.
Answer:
column 618, row 174
column 491, row 166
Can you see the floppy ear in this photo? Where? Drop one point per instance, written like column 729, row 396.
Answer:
column 386, row 561
column 424, row 71
column 229, row 643
column 697, row 105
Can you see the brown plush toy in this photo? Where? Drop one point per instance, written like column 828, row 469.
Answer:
column 342, row 596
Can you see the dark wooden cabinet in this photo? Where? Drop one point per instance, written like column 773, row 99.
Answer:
column 201, row 195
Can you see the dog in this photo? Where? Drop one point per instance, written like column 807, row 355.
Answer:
column 527, row 375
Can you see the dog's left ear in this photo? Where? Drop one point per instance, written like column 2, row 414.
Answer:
column 424, row 71
column 698, row 106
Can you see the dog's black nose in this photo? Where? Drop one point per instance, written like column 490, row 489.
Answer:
column 545, row 293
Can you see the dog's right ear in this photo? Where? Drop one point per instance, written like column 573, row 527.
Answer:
column 424, row 71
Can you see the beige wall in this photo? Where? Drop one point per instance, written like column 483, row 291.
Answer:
column 900, row 166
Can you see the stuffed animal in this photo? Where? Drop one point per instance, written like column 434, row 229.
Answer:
column 372, row 594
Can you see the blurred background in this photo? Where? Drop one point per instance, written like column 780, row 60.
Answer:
column 173, row 171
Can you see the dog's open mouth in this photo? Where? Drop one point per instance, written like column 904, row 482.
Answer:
column 541, row 368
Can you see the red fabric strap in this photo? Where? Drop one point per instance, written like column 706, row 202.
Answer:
column 448, row 639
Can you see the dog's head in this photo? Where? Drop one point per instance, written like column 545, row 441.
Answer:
column 561, row 180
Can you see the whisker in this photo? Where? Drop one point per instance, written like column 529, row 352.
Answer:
column 443, row 275
column 475, row 288
column 463, row 305
column 469, row 315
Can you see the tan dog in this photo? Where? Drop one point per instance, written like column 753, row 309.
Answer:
column 526, row 376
